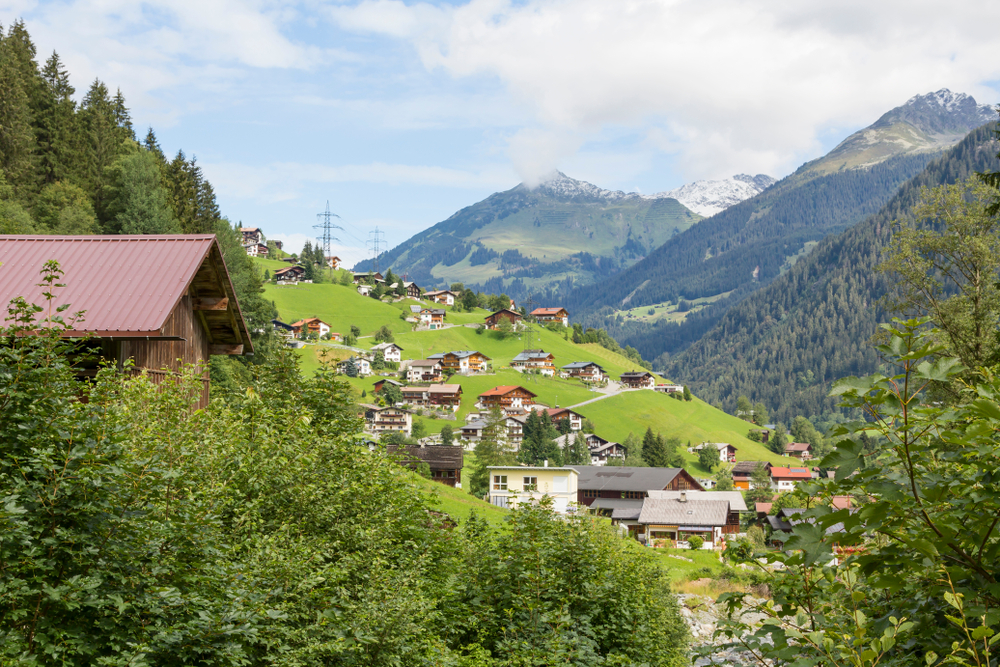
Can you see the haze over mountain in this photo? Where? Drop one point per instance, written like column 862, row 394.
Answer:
column 562, row 232
column 690, row 282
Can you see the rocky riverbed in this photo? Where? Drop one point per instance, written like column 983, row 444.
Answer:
column 702, row 616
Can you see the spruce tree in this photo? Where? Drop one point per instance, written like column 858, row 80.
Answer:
column 55, row 124
column 17, row 139
column 653, row 450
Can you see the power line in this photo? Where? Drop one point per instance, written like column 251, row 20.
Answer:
column 326, row 224
column 375, row 245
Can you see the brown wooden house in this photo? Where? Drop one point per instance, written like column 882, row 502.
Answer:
column 638, row 380
column 292, row 274
column 162, row 301
column 627, row 483
column 445, row 461
column 493, row 321
column 506, row 397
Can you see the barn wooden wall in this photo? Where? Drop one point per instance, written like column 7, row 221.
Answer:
column 156, row 355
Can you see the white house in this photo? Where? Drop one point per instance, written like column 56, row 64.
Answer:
column 390, row 351
column 363, row 365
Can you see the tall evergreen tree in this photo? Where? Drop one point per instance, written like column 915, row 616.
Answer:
column 653, row 450
column 55, row 124
column 102, row 142
column 17, row 139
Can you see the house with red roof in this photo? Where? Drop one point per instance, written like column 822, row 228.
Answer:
column 546, row 315
column 505, row 397
column 311, row 325
column 785, row 479
column 163, row 301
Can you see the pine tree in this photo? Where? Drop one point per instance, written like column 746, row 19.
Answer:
column 653, row 450
column 17, row 139
column 55, row 124
column 447, row 434
column 102, row 142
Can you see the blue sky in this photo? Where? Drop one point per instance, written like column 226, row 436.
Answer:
column 401, row 113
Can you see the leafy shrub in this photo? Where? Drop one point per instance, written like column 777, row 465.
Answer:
column 695, row 542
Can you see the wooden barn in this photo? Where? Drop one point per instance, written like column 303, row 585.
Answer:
column 162, row 301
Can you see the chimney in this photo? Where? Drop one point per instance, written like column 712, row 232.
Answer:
column 546, row 463
column 684, row 496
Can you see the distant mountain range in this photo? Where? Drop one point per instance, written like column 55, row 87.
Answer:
column 561, row 233
column 680, row 291
column 785, row 344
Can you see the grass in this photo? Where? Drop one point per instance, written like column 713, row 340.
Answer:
column 681, row 570
column 614, row 417
column 694, row 421
column 457, row 503
column 667, row 310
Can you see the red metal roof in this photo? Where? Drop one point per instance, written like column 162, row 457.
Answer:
column 504, row 390
column 793, row 473
column 126, row 284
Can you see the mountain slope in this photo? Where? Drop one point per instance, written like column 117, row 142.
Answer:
column 786, row 343
column 736, row 252
column 926, row 123
column 563, row 231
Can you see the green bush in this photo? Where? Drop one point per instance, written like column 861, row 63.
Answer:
column 695, row 542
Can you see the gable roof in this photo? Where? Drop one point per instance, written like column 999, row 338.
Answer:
column 425, row 363
column 747, row 467
column 385, row 346
column 436, row 456
column 444, row 388
column 798, row 447
column 548, row 311
column 581, row 364
column 461, row 354
column 439, row 291
column 793, row 473
column 390, row 381
column 128, row 284
column 308, row 320
column 690, row 513
column 734, row 498
column 503, row 390
column 505, row 310
column 624, row 478
column 529, row 355
column 636, row 374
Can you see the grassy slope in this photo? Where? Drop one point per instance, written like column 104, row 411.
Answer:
column 457, row 503
column 614, row 417
column 694, row 421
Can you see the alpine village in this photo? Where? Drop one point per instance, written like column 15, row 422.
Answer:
column 552, row 429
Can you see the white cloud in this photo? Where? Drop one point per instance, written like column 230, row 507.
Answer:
column 729, row 85
column 279, row 182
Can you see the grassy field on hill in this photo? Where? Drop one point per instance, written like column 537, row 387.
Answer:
column 457, row 503
column 614, row 417
column 694, row 421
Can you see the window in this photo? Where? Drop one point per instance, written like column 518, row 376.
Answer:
column 591, row 493
column 530, row 483
column 499, row 482
column 634, row 495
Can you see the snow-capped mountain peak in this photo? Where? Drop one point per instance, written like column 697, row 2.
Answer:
column 561, row 185
column 710, row 197
column 705, row 198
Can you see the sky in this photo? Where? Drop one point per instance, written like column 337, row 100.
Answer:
column 401, row 113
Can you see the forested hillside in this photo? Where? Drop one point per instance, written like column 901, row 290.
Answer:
column 786, row 343
column 738, row 251
column 77, row 168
